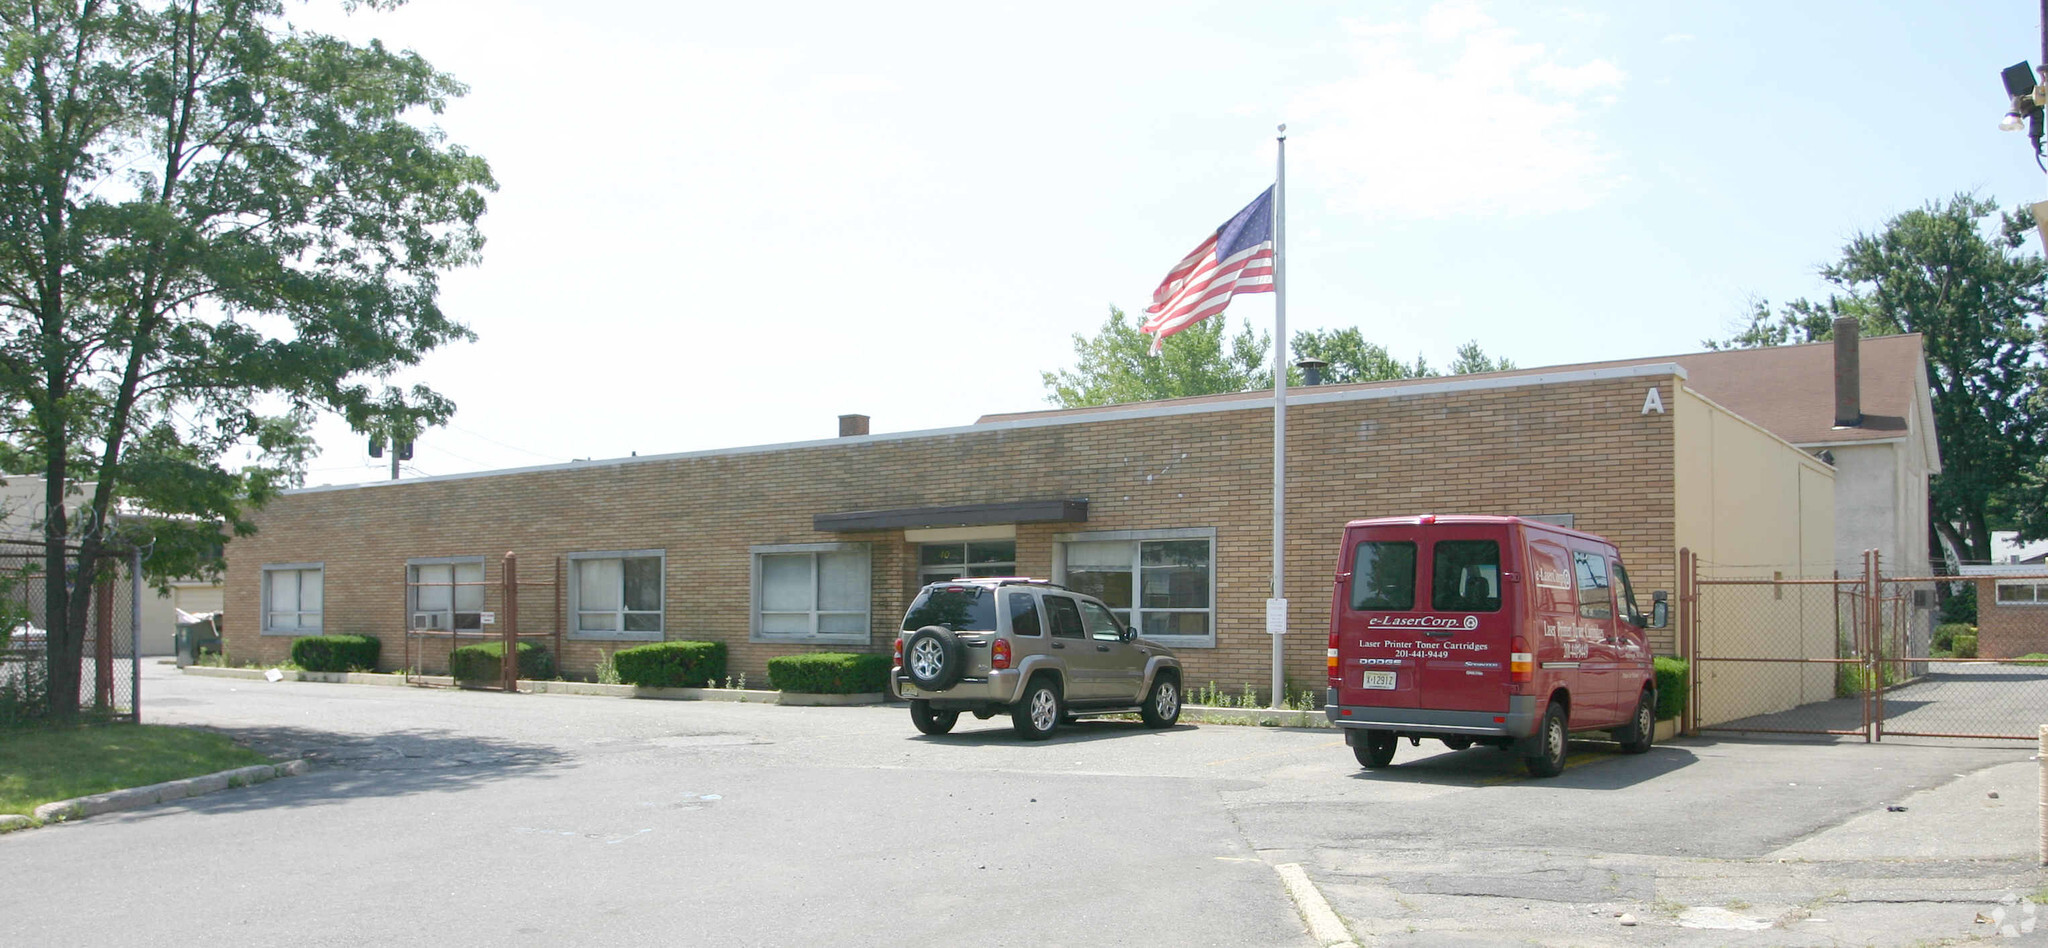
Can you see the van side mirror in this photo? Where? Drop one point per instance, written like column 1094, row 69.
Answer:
column 1660, row 609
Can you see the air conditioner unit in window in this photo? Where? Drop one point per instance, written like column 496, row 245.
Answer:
column 430, row 621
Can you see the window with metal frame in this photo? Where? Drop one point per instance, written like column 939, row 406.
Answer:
column 445, row 593
column 2022, row 592
column 937, row 562
column 1161, row 583
column 294, row 597
column 811, row 593
column 616, row 594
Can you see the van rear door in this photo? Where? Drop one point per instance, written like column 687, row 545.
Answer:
column 1422, row 619
column 1463, row 651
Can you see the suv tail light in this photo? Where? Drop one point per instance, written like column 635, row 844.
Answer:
column 899, row 650
column 1521, row 665
column 999, row 654
column 1335, row 674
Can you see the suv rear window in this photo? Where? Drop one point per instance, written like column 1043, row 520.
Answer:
column 1466, row 576
column 959, row 608
column 1383, row 576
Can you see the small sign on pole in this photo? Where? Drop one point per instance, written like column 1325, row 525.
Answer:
column 1276, row 617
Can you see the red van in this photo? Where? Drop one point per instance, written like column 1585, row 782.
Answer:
column 1486, row 630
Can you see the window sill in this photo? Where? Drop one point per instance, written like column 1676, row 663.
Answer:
column 291, row 633
column 1179, row 641
column 614, row 636
column 831, row 638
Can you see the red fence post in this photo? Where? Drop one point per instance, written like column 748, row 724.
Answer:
column 509, row 668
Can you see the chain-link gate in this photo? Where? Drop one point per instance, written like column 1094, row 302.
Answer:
column 109, row 671
column 1841, row 655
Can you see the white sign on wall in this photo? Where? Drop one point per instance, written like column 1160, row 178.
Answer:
column 490, row 618
column 1653, row 402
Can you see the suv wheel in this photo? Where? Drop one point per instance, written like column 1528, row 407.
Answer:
column 929, row 720
column 1376, row 751
column 1162, row 703
column 932, row 658
column 1552, row 741
column 1038, row 714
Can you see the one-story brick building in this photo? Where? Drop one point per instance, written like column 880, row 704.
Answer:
column 1162, row 508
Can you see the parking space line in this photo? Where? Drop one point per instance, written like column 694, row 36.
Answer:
column 1323, row 924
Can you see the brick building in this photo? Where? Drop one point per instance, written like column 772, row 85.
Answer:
column 1163, row 506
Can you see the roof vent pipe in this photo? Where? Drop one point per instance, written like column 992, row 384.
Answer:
column 1312, row 370
column 1848, row 373
column 851, row 426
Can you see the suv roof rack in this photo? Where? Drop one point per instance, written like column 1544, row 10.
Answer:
column 997, row 581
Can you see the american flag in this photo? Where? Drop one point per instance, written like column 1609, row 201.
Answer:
column 1237, row 258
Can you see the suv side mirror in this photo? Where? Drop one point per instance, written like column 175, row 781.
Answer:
column 1660, row 609
column 1130, row 633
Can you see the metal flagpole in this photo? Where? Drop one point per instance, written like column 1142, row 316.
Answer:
column 1276, row 608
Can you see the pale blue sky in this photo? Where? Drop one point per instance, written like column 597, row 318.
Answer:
column 725, row 225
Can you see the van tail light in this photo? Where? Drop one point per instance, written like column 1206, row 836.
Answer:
column 1335, row 675
column 1521, row 665
column 999, row 654
column 899, row 651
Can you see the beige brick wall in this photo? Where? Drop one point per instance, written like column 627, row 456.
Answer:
column 1583, row 448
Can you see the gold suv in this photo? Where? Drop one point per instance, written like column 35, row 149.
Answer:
column 1037, row 651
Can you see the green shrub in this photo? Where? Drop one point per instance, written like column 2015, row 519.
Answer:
column 336, row 653
column 1965, row 646
column 680, row 664
column 1671, row 687
column 1945, row 635
column 829, row 673
column 482, row 662
column 1961, row 605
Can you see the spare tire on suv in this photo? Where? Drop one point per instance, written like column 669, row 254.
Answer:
column 932, row 658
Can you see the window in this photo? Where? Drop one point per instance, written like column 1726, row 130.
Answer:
column 1595, row 602
column 2022, row 592
column 1102, row 626
column 937, row 562
column 1383, row 576
column 292, row 598
column 616, row 595
column 1024, row 614
column 959, row 608
column 1159, row 582
column 1466, row 576
column 445, row 594
column 1066, row 617
column 814, row 592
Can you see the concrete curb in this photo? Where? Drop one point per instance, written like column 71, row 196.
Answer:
column 79, row 808
column 802, row 699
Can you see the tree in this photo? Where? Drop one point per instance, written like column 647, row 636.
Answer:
column 211, row 227
column 1473, row 360
column 1975, row 298
column 1352, row 358
column 1117, row 366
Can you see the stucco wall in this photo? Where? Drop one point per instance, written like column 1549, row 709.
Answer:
column 1751, row 505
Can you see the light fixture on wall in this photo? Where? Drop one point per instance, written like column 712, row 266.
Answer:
column 2028, row 93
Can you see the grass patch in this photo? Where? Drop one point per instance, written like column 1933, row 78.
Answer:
column 41, row 765
column 2031, row 658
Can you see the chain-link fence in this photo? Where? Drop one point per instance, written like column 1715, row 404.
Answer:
column 108, row 669
column 1779, row 653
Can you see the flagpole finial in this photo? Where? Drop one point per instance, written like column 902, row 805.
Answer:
column 1283, row 131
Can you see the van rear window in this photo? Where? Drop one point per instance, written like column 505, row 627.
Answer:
column 1383, row 576
column 1466, row 576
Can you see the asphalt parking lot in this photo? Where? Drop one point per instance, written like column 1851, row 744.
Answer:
column 455, row 818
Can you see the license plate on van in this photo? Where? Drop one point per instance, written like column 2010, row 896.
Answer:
column 1381, row 680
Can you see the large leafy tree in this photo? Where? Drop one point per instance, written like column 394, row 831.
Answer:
column 1116, row 365
column 212, row 226
column 1954, row 271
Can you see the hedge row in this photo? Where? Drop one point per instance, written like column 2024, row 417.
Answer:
column 336, row 653
column 679, row 664
column 483, row 662
column 1671, row 687
column 1946, row 633
column 829, row 673
column 1965, row 646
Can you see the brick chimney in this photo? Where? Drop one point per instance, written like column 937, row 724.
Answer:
column 852, row 426
column 1848, row 373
